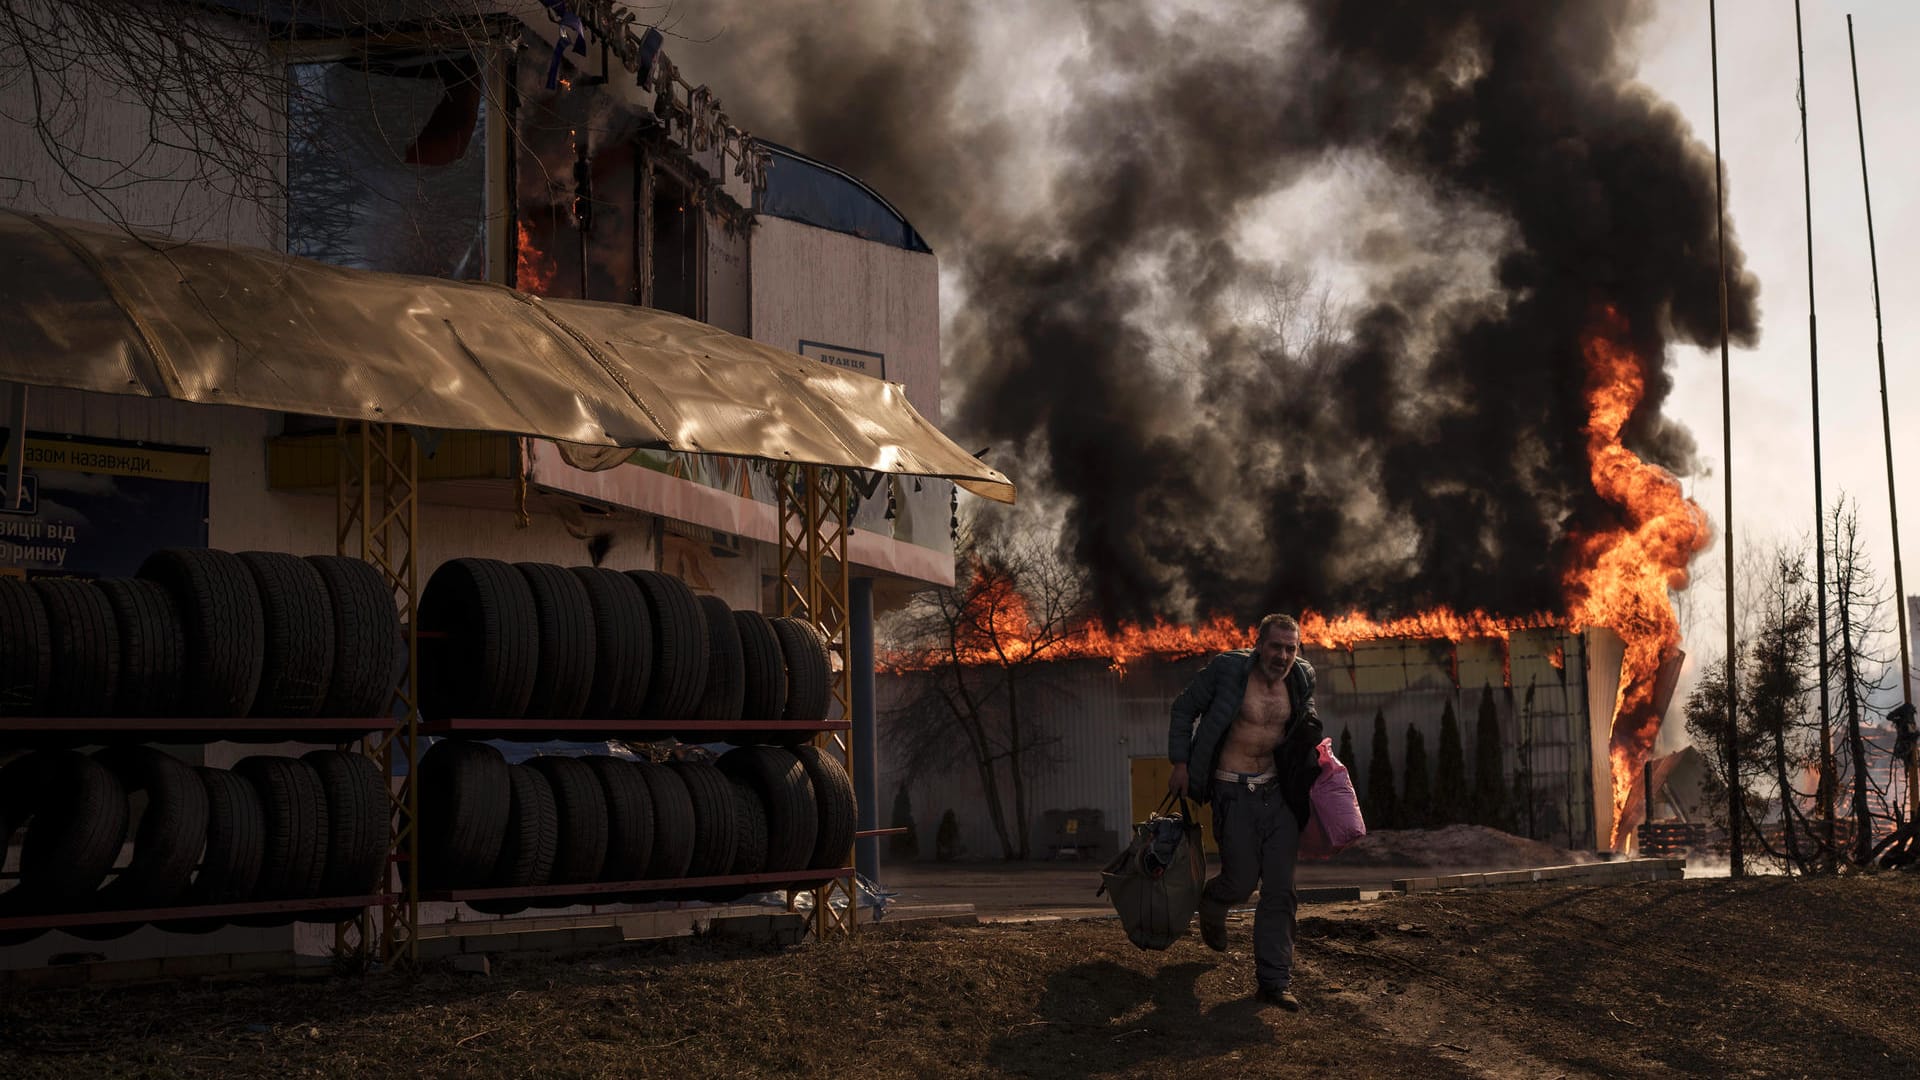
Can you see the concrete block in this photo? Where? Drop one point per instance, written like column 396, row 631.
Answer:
column 124, row 970
column 261, row 961
column 1329, row 894
column 65, row 977
column 471, row 964
column 784, row 928
column 194, row 967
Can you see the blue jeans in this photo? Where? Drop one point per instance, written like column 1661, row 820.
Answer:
column 1259, row 839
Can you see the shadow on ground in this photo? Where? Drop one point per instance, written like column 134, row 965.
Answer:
column 1099, row 1017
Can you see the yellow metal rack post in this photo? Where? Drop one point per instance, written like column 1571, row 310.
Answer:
column 815, row 519
column 377, row 519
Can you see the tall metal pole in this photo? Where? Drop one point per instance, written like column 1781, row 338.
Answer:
column 1886, row 420
column 1734, row 817
column 1819, row 499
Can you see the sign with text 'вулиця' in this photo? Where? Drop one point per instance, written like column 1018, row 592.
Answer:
column 101, row 506
column 859, row 361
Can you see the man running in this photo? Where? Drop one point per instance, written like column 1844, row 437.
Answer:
column 1243, row 737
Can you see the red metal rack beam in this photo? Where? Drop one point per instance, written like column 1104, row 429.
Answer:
column 495, row 728
column 789, row 878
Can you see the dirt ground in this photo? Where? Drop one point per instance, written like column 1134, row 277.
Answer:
column 1762, row 977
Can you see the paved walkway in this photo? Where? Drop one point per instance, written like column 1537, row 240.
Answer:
column 1067, row 888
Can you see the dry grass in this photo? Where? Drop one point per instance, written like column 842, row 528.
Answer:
column 1760, row 978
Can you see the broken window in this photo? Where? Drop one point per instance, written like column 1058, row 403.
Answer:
column 386, row 163
column 602, row 204
column 673, row 253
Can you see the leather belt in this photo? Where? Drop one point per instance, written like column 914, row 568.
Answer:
column 1253, row 781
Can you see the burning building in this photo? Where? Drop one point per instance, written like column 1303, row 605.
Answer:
column 1099, row 728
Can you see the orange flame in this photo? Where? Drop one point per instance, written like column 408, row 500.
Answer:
column 1620, row 578
column 1623, row 578
column 533, row 269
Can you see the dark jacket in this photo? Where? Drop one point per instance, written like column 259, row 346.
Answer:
column 1214, row 697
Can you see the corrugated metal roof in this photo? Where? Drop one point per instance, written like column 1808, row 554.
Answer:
column 97, row 308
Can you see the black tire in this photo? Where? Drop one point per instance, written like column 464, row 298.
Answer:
column 679, row 669
column 465, row 797
column 86, row 647
column 26, row 650
column 298, row 613
column 236, row 846
column 225, row 630
column 623, row 644
column 171, row 832
column 532, row 841
column 716, row 824
column 369, row 646
column 167, row 837
column 17, row 799
column 153, row 647
column 563, row 613
column 725, row 694
column 484, row 666
column 630, row 818
column 833, row 797
column 295, row 807
column 792, row 813
column 359, row 822
column 809, row 671
column 750, row 851
column 581, row 809
column 673, row 837
column 765, row 670
column 78, row 822
column 750, row 848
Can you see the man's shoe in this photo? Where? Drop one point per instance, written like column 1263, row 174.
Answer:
column 1213, row 929
column 1273, row 995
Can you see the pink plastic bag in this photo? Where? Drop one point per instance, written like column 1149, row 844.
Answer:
column 1335, row 820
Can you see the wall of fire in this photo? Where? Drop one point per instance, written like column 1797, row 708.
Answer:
column 1097, row 720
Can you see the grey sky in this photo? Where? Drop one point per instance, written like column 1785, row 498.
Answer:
column 1772, row 414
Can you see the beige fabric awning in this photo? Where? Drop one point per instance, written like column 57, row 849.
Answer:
column 91, row 307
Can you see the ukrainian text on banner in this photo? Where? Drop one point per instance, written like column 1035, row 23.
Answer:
column 99, row 507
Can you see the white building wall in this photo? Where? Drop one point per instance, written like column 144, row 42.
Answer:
column 813, row 284
column 166, row 189
column 244, row 516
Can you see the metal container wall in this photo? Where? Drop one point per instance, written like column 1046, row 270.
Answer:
column 1096, row 720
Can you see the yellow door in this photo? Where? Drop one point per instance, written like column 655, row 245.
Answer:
column 1150, row 776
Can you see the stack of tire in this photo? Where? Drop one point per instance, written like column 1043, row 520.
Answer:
column 204, row 633
column 486, row 824
column 539, row 642
column 269, row 829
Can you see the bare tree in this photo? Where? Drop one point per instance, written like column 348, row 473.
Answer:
column 979, row 660
column 225, row 107
column 1863, row 669
column 1778, row 736
column 1782, row 669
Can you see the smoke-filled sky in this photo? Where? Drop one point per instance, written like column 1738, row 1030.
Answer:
column 1139, row 209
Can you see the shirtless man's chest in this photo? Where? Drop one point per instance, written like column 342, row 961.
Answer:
column 1258, row 729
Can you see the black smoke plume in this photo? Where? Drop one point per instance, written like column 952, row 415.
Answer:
column 1218, row 436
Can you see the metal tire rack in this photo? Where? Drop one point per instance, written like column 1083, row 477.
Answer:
column 378, row 521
